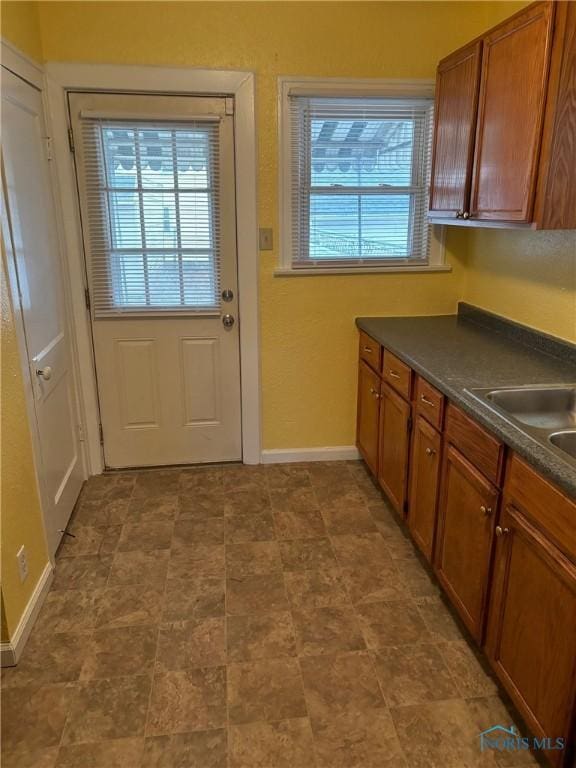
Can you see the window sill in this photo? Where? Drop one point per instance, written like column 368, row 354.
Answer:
column 312, row 271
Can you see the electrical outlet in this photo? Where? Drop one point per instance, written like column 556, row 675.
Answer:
column 22, row 563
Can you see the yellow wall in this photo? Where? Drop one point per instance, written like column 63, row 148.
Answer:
column 19, row 24
column 529, row 277
column 21, row 521
column 307, row 324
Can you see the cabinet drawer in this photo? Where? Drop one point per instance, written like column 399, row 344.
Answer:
column 478, row 445
column 429, row 402
column 546, row 506
column 370, row 351
column 397, row 374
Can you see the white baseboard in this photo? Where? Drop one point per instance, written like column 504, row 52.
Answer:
column 290, row 455
column 10, row 652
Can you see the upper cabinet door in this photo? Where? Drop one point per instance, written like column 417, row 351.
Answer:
column 515, row 63
column 457, row 85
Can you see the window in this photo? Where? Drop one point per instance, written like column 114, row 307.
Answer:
column 152, row 202
column 355, row 180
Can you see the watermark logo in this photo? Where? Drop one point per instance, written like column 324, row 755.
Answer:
column 504, row 739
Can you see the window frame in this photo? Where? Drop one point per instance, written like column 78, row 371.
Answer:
column 355, row 88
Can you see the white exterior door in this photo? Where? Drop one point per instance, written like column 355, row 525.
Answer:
column 29, row 231
column 156, row 185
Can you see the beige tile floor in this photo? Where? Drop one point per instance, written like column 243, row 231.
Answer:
column 237, row 617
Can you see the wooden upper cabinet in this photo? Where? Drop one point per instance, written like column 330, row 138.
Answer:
column 531, row 640
column 457, row 84
column 368, row 415
column 504, row 152
column 515, row 65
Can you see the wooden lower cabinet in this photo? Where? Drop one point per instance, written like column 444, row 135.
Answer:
column 468, row 503
column 531, row 641
column 368, row 415
column 394, row 448
column 424, row 483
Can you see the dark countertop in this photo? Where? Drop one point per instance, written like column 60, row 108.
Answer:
column 456, row 354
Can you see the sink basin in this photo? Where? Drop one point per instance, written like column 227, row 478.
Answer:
column 566, row 441
column 541, row 407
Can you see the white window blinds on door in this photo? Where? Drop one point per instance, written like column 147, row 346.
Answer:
column 152, row 199
column 359, row 170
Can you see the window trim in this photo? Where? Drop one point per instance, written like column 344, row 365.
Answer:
column 341, row 87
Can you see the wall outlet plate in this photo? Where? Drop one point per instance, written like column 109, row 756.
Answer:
column 22, row 559
column 266, row 239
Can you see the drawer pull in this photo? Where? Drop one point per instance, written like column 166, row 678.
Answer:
column 430, row 452
column 424, row 399
column 368, row 349
column 394, row 374
column 486, row 510
column 499, row 531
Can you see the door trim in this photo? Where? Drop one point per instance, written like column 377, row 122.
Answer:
column 61, row 78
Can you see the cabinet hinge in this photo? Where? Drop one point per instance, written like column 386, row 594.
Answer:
column 409, row 423
column 87, row 298
column 49, row 154
column 71, row 140
column 101, row 434
column 405, row 506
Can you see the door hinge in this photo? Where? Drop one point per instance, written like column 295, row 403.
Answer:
column 87, row 298
column 49, row 154
column 71, row 140
column 80, row 433
column 101, row 434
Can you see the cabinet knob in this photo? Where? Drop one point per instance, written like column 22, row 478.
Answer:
column 430, row 452
column 375, row 393
column 465, row 215
column 485, row 510
column 501, row 531
column 459, row 214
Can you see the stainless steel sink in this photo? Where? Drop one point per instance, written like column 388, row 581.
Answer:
column 547, row 413
column 544, row 408
column 566, row 441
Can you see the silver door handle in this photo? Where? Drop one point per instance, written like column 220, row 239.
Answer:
column 228, row 321
column 44, row 373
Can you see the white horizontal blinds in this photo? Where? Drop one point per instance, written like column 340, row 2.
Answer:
column 152, row 191
column 360, row 172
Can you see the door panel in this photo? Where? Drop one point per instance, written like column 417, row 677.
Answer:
column 394, row 447
column 368, row 413
column 167, row 359
column 457, row 84
column 424, row 482
column 464, row 539
column 512, row 94
column 31, row 227
column 532, row 628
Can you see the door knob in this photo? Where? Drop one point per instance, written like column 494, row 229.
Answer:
column 44, row 373
column 227, row 321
